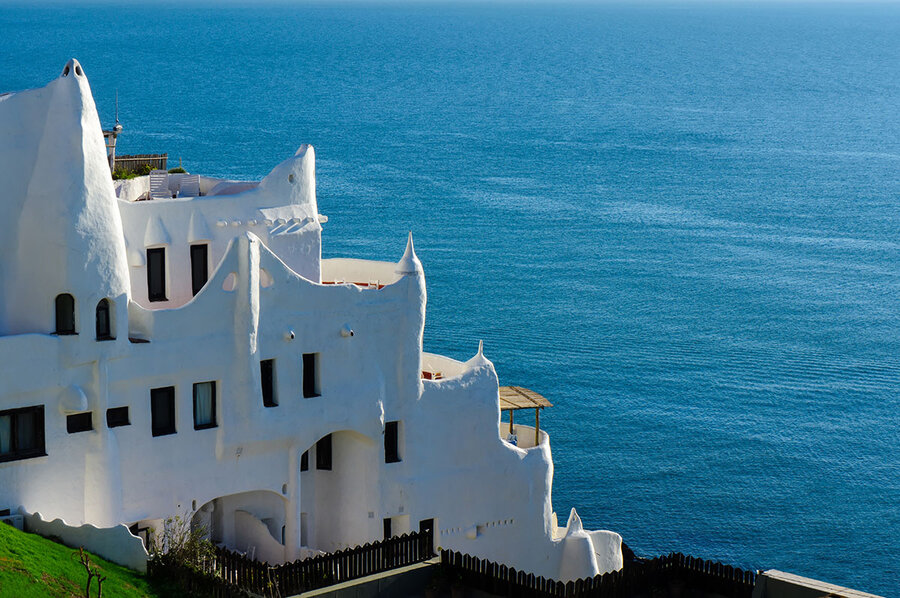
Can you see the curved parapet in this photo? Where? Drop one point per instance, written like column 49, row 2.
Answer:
column 115, row 544
column 507, row 515
column 280, row 210
column 294, row 179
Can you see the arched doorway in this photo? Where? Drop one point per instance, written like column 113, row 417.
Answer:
column 248, row 522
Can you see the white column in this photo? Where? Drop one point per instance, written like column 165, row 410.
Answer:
column 292, row 508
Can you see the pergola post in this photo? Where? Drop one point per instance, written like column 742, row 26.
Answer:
column 514, row 398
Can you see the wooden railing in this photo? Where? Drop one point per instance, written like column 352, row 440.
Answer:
column 660, row 576
column 227, row 574
column 135, row 162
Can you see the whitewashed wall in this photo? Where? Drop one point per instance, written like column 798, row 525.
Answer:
column 264, row 301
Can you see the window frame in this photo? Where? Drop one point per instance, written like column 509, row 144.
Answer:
column 106, row 306
column 272, row 399
column 112, row 422
column 196, row 263
column 324, row 453
column 392, row 442
column 310, row 375
column 59, row 331
column 80, row 422
column 214, row 422
column 162, row 295
column 40, row 450
column 158, row 430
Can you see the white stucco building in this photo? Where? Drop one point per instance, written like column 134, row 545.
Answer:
column 196, row 355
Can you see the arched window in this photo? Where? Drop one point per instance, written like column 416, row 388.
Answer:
column 65, row 314
column 104, row 325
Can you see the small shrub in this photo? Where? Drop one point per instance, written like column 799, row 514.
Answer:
column 124, row 173
column 182, row 543
column 121, row 173
column 177, row 170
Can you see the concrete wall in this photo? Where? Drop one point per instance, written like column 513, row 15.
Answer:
column 778, row 584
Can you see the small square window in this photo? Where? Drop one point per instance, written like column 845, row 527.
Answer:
column 304, row 461
column 80, row 422
column 117, row 416
column 162, row 407
column 311, row 386
column 204, row 405
column 323, row 453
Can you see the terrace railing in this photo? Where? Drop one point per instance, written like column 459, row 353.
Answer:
column 135, row 162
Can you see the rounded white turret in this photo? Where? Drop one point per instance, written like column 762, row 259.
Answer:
column 60, row 229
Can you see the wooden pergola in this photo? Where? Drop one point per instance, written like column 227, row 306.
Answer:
column 516, row 398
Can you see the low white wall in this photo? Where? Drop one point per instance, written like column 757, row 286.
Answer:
column 254, row 538
column 131, row 189
column 115, row 544
column 449, row 368
column 353, row 270
column 524, row 434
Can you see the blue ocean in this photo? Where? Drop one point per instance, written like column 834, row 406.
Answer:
column 679, row 222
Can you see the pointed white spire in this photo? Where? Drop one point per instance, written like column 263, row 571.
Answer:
column 479, row 359
column 574, row 524
column 409, row 264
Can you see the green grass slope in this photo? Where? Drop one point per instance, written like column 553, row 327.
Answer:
column 34, row 566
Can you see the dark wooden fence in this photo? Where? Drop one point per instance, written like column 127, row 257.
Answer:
column 353, row 563
column 179, row 579
column 662, row 576
column 135, row 162
column 229, row 574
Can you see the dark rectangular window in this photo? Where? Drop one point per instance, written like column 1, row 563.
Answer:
column 311, row 375
column 162, row 406
column 80, row 422
column 304, row 461
column 426, row 525
column 267, row 379
column 386, row 526
column 204, row 405
column 391, row 442
column 65, row 314
column 199, row 266
column 156, row 274
column 323, row 453
column 117, row 416
column 22, row 433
